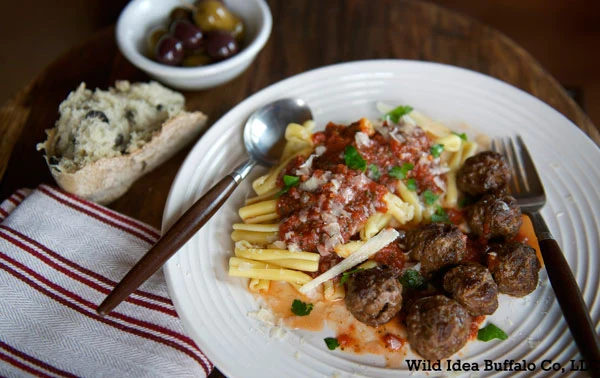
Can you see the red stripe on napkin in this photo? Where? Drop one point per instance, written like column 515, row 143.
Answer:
column 84, row 206
column 22, row 366
column 54, row 194
column 20, row 195
column 14, row 199
column 7, row 349
column 12, row 202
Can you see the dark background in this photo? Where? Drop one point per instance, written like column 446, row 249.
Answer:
column 563, row 35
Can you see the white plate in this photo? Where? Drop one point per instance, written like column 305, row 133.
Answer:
column 215, row 307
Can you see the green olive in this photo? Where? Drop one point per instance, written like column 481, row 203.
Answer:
column 180, row 13
column 153, row 37
column 213, row 15
column 239, row 30
column 197, row 58
column 201, row 1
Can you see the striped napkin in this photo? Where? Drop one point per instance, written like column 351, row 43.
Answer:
column 59, row 258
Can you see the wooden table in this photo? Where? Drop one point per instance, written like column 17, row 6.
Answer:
column 306, row 34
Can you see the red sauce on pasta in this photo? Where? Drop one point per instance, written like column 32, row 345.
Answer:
column 391, row 255
column 332, row 201
column 317, row 220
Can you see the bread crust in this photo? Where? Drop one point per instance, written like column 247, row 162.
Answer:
column 106, row 179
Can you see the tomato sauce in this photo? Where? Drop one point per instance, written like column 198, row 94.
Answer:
column 326, row 263
column 477, row 248
column 388, row 340
column 334, row 199
column 476, row 322
column 317, row 220
column 391, row 255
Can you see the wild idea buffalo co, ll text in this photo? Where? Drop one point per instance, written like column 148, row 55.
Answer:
column 458, row 365
column 491, row 365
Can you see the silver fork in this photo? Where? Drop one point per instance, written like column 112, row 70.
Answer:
column 527, row 188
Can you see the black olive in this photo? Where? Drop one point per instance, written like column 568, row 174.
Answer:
column 221, row 45
column 119, row 140
column 97, row 114
column 188, row 33
column 130, row 116
column 169, row 50
column 159, row 107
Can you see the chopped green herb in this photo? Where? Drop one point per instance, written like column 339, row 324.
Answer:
column 400, row 172
column 440, row 215
column 396, row 114
column 288, row 181
column 396, row 172
column 411, row 184
column 375, row 174
column 413, row 279
column 346, row 275
column 429, row 197
column 353, row 159
column 300, row 308
column 462, row 136
column 490, row 332
column 436, row 150
column 332, row 343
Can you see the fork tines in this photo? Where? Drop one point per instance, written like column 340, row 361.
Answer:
column 525, row 179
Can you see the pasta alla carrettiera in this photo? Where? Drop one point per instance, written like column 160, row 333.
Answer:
column 399, row 226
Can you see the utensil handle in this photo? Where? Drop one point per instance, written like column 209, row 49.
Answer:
column 568, row 296
column 185, row 227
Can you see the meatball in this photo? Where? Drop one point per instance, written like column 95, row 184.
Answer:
column 435, row 246
column 472, row 286
column 437, row 327
column 483, row 173
column 374, row 296
column 495, row 216
column 515, row 268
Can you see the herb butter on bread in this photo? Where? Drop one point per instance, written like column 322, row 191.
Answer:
column 105, row 140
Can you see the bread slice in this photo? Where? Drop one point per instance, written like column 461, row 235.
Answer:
column 99, row 157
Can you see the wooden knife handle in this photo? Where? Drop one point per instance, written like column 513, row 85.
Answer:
column 185, row 227
column 571, row 301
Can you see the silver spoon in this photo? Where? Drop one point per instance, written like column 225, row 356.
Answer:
column 264, row 140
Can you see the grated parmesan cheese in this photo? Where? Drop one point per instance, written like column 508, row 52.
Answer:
column 306, row 167
column 408, row 120
column 362, row 139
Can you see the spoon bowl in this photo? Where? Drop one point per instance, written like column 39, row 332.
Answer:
column 265, row 129
column 264, row 133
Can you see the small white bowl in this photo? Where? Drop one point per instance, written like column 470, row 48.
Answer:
column 139, row 17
